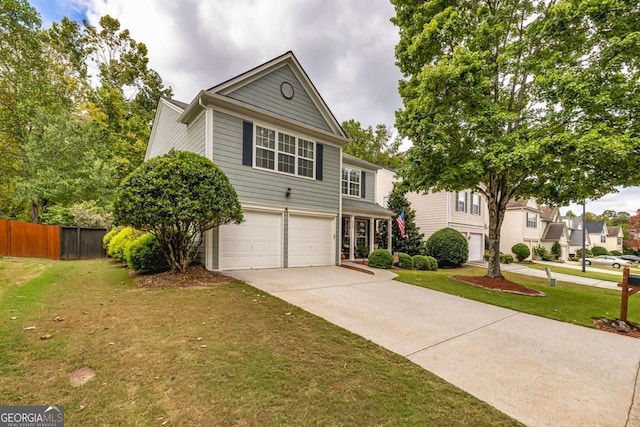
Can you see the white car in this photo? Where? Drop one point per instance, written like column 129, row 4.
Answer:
column 608, row 260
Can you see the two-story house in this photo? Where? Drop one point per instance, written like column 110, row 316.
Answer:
column 576, row 232
column 615, row 238
column 598, row 232
column 272, row 134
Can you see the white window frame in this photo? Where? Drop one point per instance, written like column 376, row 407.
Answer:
column 603, row 238
column 461, row 201
column 300, row 151
column 475, row 207
column 531, row 220
column 351, row 185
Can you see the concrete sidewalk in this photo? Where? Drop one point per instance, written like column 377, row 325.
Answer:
column 539, row 371
column 561, row 277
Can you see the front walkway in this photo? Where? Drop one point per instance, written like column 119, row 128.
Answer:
column 539, row 371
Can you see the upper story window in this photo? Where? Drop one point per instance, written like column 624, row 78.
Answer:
column 603, row 238
column 461, row 201
column 532, row 220
column 284, row 153
column 351, row 181
column 475, row 204
column 385, row 202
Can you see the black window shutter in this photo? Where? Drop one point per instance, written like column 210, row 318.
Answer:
column 247, row 143
column 319, row 154
column 458, row 201
column 363, row 186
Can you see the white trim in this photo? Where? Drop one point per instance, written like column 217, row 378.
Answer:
column 208, row 134
column 312, row 213
column 351, row 169
column 277, row 131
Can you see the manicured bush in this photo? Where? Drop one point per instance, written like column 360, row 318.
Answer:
column 119, row 242
column 449, row 247
column 521, row 251
column 542, row 252
column 615, row 253
column 579, row 253
column 599, row 250
column 575, row 258
column 506, row 258
column 110, row 234
column 380, row 258
column 144, row 255
column 421, row 262
column 556, row 250
column 433, row 263
column 405, row 261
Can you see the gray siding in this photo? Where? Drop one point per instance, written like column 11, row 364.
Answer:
column 195, row 136
column 168, row 132
column 369, row 182
column 265, row 93
column 266, row 187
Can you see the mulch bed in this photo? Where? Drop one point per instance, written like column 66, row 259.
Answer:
column 618, row 327
column 502, row 285
column 195, row 276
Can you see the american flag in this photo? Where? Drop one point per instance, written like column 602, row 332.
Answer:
column 400, row 220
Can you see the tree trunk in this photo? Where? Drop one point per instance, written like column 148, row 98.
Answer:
column 34, row 212
column 496, row 214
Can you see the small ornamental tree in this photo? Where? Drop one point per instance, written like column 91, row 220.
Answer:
column 413, row 242
column 177, row 197
column 556, row 250
column 521, row 251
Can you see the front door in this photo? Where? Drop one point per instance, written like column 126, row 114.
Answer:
column 362, row 238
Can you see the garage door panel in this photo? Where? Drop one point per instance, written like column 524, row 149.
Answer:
column 311, row 241
column 475, row 247
column 256, row 243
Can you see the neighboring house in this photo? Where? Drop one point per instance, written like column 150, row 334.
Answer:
column 464, row 211
column 575, row 229
column 598, row 233
column 274, row 137
column 555, row 230
column 614, row 238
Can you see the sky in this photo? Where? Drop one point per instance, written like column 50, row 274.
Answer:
column 345, row 46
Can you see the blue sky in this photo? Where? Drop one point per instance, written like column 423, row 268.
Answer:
column 55, row 10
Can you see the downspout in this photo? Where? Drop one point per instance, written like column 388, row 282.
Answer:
column 208, row 152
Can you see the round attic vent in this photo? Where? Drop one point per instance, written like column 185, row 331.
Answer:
column 286, row 89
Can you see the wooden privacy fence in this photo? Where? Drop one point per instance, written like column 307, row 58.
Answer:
column 23, row 239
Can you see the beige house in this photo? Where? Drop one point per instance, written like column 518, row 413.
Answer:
column 598, row 233
column 614, row 238
column 575, row 230
column 464, row 211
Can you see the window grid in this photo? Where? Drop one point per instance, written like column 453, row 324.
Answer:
column 461, row 202
column 475, row 204
column 532, row 220
column 351, row 182
column 291, row 155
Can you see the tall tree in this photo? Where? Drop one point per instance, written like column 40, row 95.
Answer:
column 375, row 146
column 413, row 241
column 519, row 98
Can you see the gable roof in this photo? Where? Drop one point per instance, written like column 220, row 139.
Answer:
column 554, row 231
column 548, row 213
column 179, row 104
column 594, row 227
column 356, row 161
column 575, row 239
column 614, row 230
column 529, row 204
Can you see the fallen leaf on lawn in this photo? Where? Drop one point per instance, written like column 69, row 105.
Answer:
column 199, row 338
column 204, row 346
column 14, row 318
column 288, row 313
column 29, row 328
column 58, row 319
column 46, row 337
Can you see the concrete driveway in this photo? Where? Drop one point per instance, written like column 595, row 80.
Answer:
column 539, row 371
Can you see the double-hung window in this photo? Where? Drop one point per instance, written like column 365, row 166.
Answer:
column 532, row 220
column 282, row 152
column 351, row 182
column 475, row 204
column 461, row 201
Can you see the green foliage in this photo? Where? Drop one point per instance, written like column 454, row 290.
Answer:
column 119, row 243
column 517, row 99
column 380, row 258
column 433, row 263
column 542, row 252
column 405, row 261
column 579, row 253
column 506, row 258
column 110, row 235
column 449, row 247
column 373, row 146
column 521, row 251
column 144, row 255
column 57, row 215
column 556, row 250
column 177, row 197
column 421, row 262
column 413, row 243
column 599, row 250
column 615, row 253
column 83, row 214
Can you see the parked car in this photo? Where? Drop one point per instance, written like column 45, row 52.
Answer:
column 608, row 260
column 632, row 258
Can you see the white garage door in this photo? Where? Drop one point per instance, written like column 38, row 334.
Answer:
column 476, row 247
column 256, row 243
column 312, row 241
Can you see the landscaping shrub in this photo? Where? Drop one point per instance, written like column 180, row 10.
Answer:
column 599, row 250
column 556, row 250
column 421, row 262
column 449, row 247
column 405, row 261
column 119, row 242
column 505, row 258
column 575, row 258
column 433, row 263
column 521, row 251
column 110, row 234
column 615, row 253
column 542, row 252
column 380, row 258
column 579, row 253
column 144, row 255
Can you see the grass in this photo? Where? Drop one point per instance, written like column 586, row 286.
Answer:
column 567, row 302
column 614, row 276
column 215, row 355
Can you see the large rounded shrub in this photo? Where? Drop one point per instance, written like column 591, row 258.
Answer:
column 579, row 253
column 110, row 235
column 449, row 247
column 521, row 251
column 144, row 255
column 380, row 258
column 119, row 242
column 599, row 250
column 405, row 261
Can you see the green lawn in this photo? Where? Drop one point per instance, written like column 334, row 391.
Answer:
column 210, row 355
column 615, row 274
column 567, row 302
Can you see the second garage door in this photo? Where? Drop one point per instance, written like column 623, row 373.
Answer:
column 312, row 240
column 475, row 247
column 256, row 243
